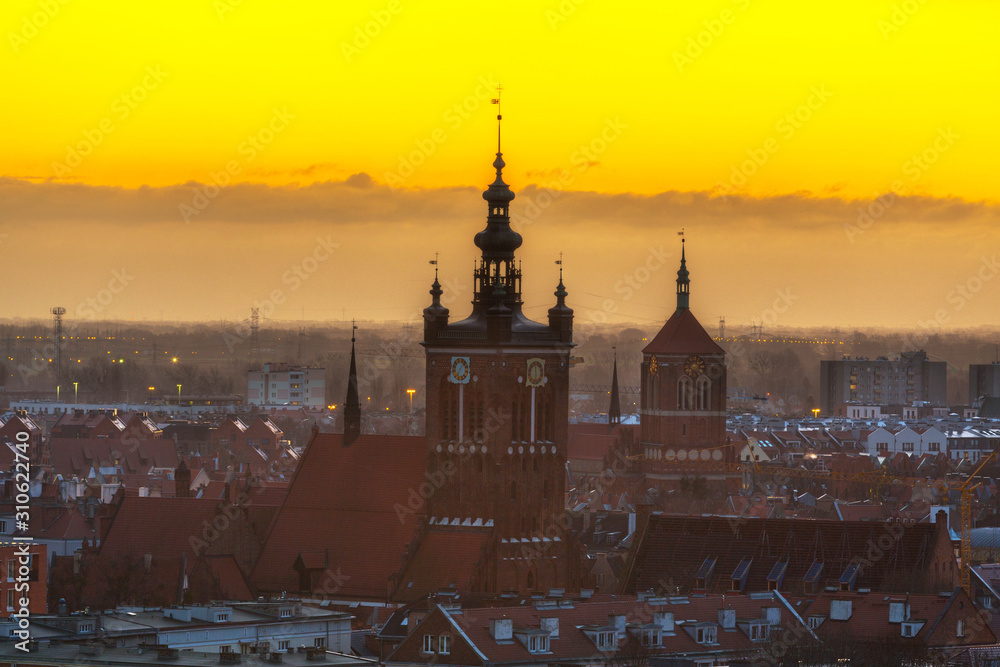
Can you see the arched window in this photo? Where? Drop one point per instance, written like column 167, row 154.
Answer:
column 685, row 394
column 703, row 390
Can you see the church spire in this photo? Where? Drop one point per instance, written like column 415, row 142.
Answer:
column 498, row 241
column 615, row 407
column 352, row 405
column 683, row 283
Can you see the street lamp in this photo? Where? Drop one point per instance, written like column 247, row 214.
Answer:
column 178, row 394
column 151, row 390
column 58, row 387
column 76, row 387
column 411, row 392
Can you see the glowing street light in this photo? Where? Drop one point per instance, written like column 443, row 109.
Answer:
column 178, row 394
column 76, row 387
column 411, row 392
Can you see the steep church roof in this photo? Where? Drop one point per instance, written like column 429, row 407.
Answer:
column 683, row 334
column 352, row 506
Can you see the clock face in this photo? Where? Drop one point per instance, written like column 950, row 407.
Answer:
column 653, row 365
column 694, row 366
column 459, row 370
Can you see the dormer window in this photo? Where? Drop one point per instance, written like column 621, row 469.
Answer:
column 707, row 635
column 606, row 640
column 538, row 644
column 285, row 613
column 759, row 632
column 651, row 637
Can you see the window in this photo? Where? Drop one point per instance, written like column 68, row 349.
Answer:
column 286, row 613
column 10, row 599
column 3, row 525
column 444, row 644
column 11, row 569
column 907, row 446
column 606, row 640
column 428, row 644
column 759, row 632
column 319, row 642
column 934, row 447
column 650, row 637
column 86, row 627
column 222, row 618
column 283, row 644
column 960, row 628
column 882, row 446
column 225, row 649
column 815, row 622
column 538, row 644
column 706, row 635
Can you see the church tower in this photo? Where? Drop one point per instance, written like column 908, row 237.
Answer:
column 497, row 412
column 683, row 389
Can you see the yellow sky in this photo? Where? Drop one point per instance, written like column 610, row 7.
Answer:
column 802, row 112
column 694, row 87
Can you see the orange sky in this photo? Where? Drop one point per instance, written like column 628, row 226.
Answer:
column 842, row 161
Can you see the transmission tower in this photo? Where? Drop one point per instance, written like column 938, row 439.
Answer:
column 57, row 334
column 255, row 355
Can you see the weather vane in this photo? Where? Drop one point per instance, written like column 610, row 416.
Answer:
column 496, row 101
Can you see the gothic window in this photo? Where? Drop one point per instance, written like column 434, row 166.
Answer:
column 703, row 389
column 685, row 394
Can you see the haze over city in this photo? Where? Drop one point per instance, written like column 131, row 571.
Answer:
column 200, row 160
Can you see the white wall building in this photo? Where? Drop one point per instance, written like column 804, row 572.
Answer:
column 282, row 384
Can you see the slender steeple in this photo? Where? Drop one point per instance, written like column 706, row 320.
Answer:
column 683, row 283
column 615, row 407
column 352, row 405
column 561, row 315
column 498, row 241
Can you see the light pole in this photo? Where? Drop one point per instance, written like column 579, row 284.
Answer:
column 76, row 387
column 58, row 387
column 178, row 395
column 411, row 392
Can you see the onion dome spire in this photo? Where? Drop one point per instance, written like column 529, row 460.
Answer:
column 498, row 241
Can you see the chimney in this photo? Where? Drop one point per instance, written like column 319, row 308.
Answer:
column 502, row 629
column 552, row 625
column 840, row 610
column 617, row 621
column 727, row 618
column 664, row 619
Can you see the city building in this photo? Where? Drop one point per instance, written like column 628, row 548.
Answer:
column 984, row 382
column 683, row 390
column 284, row 384
column 23, row 577
column 882, row 381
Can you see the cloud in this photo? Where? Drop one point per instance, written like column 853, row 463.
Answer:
column 360, row 199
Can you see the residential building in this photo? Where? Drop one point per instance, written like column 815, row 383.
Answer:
column 909, row 377
column 284, row 384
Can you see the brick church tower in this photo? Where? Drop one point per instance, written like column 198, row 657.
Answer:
column 497, row 414
column 683, row 391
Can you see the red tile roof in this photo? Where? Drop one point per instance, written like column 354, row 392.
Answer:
column 682, row 334
column 162, row 527
column 589, row 446
column 345, row 500
column 447, row 558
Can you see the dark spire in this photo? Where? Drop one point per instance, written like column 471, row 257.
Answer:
column 435, row 309
column 615, row 407
column 498, row 241
column 683, row 283
column 352, row 405
column 561, row 315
